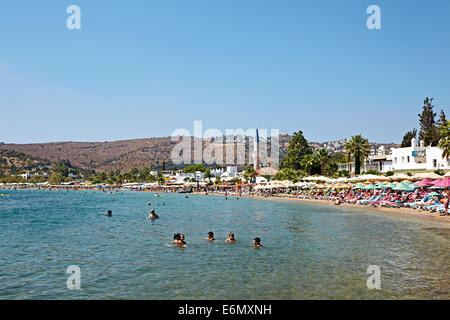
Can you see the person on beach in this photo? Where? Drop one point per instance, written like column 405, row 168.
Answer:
column 445, row 201
column 230, row 237
column 109, row 214
column 153, row 215
column 211, row 236
column 257, row 243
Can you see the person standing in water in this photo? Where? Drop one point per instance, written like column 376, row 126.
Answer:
column 109, row 214
column 230, row 237
column 153, row 215
column 211, row 236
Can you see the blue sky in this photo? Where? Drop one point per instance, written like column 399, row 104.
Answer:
column 141, row 69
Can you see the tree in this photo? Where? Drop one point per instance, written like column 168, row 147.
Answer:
column 442, row 122
column 444, row 142
column 290, row 174
column 298, row 148
column 359, row 147
column 322, row 155
column 56, row 178
column 406, row 142
column 134, row 171
column 250, row 173
column 194, row 168
column 428, row 130
column 308, row 162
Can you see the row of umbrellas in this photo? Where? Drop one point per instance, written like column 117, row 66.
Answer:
column 402, row 186
column 373, row 177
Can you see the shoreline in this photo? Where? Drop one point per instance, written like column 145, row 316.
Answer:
column 409, row 213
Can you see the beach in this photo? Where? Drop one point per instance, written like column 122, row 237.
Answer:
column 408, row 213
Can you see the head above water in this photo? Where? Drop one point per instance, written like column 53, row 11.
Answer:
column 257, row 241
column 231, row 235
column 109, row 213
column 210, row 235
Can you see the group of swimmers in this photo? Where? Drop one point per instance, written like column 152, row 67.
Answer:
column 178, row 238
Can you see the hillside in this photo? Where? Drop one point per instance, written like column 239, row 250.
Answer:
column 107, row 156
column 12, row 162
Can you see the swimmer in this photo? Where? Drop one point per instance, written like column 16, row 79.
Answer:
column 176, row 238
column 231, row 237
column 257, row 243
column 337, row 202
column 211, row 236
column 149, row 203
column 153, row 215
column 187, row 197
column 109, row 214
column 182, row 242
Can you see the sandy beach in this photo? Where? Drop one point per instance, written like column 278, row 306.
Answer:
column 432, row 218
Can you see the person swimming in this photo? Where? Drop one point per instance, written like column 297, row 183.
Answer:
column 231, row 237
column 257, row 242
column 211, row 236
column 182, row 242
column 178, row 239
column 153, row 215
column 109, row 214
column 149, row 203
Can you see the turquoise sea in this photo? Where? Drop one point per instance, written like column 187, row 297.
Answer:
column 312, row 251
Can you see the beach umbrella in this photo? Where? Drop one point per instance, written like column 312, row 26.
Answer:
column 359, row 186
column 369, row 187
column 403, row 187
column 267, row 171
column 443, row 183
column 434, row 194
column 380, row 186
column 319, row 178
column 390, row 185
column 399, row 176
column 427, row 175
column 424, row 183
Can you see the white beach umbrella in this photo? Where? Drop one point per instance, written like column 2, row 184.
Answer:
column 427, row 175
column 319, row 178
column 399, row 176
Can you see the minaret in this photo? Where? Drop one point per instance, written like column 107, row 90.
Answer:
column 256, row 159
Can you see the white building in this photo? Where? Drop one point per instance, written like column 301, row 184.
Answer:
column 418, row 157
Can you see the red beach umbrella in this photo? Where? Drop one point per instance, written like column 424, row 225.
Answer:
column 445, row 183
column 424, row 183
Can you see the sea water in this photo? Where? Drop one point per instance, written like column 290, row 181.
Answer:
column 311, row 251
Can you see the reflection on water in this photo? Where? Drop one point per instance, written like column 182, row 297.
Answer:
column 311, row 251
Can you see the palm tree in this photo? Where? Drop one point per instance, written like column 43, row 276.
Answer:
column 250, row 173
column 323, row 157
column 359, row 147
column 444, row 142
column 308, row 162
